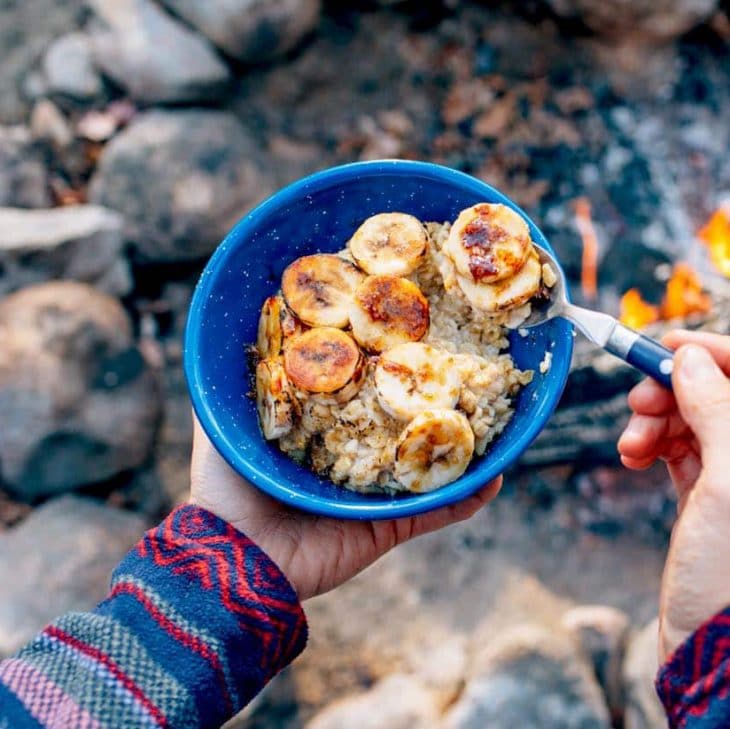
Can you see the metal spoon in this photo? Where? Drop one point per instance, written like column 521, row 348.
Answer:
column 638, row 350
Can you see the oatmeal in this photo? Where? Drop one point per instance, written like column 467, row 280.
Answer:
column 386, row 367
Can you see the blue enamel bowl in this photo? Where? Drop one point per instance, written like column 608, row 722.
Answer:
column 316, row 214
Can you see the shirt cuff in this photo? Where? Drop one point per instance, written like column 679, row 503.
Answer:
column 695, row 681
column 218, row 596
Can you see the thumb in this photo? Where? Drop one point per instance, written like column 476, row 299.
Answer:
column 703, row 397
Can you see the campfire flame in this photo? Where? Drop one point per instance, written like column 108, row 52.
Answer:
column 589, row 264
column 683, row 296
column 716, row 236
column 635, row 312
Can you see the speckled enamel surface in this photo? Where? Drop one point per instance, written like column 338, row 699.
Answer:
column 319, row 214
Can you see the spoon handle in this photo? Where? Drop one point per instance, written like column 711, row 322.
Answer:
column 647, row 355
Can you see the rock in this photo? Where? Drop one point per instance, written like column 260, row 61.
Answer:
column 532, row 680
column 100, row 125
column 69, row 68
column 441, row 667
column 643, row 708
column 251, row 30
column 603, row 633
column 81, row 242
column 48, row 124
column 23, row 173
column 396, row 702
column 181, row 179
column 78, row 403
column 59, row 559
column 26, row 29
column 152, row 56
column 648, row 19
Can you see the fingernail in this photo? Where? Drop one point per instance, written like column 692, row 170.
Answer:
column 696, row 364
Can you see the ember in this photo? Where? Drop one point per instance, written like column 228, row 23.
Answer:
column 716, row 235
column 683, row 296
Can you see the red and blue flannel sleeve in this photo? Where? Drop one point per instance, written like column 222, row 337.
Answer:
column 694, row 684
column 198, row 620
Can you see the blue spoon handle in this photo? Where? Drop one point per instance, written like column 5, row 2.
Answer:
column 644, row 353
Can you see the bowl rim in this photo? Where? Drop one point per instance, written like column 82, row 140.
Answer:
column 449, row 494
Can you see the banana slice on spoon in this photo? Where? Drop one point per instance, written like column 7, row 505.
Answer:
column 389, row 243
column 488, row 243
column 414, row 377
column 275, row 401
column 319, row 288
column 386, row 311
column 325, row 360
column 506, row 294
column 434, row 449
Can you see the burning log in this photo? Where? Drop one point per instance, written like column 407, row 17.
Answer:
column 591, row 414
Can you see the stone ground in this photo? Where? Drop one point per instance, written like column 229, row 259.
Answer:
column 539, row 108
column 461, row 587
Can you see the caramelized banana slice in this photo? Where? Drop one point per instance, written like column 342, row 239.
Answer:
column 389, row 243
column 434, row 449
column 488, row 243
column 276, row 325
column 387, row 311
column 414, row 377
column 504, row 295
column 325, row 360
column 318, row 289
column 275, row 401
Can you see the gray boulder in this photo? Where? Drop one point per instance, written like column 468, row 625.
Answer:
column 642, row 19
column 23, row 173
column 80, row 242
column 181, row 180
column 27, row 27
column 69, row 67
column 396, row 702
column 531, row 680
column 48, row 124
column 58, row 560
column 78, row 402
column 602, row 633
column 643, row 708
column 152, row 56
column 251, row 30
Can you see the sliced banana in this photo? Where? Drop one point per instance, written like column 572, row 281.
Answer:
column 275, row 401
column 325, row 360
column 434, row 449
column 504, row 295
column 276, row 325
column 414, row 377
column 488, row 243
column 389, row 243
column 387, row 311
column 318, row 289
